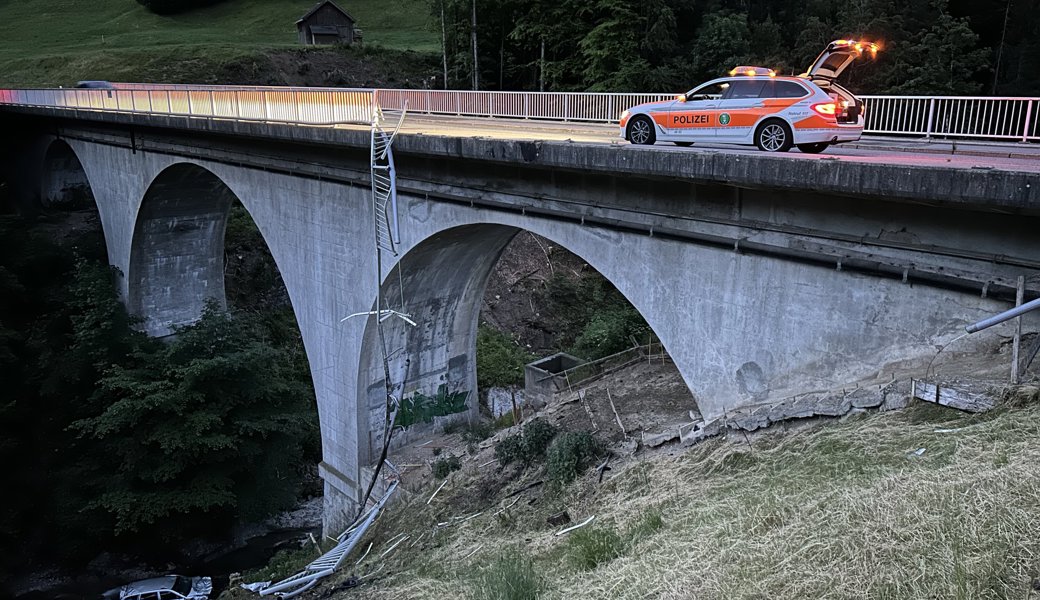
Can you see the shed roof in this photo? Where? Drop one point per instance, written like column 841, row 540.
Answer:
column 315, row 8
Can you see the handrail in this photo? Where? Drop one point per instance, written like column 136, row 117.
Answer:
column 955, row 117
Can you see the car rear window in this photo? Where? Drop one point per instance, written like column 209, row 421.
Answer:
column 782, row 89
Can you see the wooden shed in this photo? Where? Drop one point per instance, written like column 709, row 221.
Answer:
column 326, row 23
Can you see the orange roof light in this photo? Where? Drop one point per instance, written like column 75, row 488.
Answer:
column 752, row 71
column 860, row 46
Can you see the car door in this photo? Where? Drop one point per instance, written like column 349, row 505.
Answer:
column 740, row 108
column 836, row 57
column 693, row 117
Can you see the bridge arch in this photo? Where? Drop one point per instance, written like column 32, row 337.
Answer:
column 64, row 182
column 440, row 283
column 177, row 254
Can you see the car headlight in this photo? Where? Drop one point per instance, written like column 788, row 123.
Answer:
column 624, row 115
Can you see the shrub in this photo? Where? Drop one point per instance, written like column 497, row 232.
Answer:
column 172, row 7
column 442, row 467
column 571, row 454
column 590, row 547
column 500, row 361
column 528, row 446
column 510, row 577
column 474, row 433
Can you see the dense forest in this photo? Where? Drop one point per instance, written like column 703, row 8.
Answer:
column 928, row 46
column 115, row 441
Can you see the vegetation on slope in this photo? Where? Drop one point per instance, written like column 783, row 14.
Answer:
column 50, row 43
column 116, row 441
column 849, row 509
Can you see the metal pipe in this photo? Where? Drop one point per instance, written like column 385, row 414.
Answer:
column 1004, row 316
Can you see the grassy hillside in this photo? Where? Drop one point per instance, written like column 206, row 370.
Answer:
column 922, row 503
column 57, row 42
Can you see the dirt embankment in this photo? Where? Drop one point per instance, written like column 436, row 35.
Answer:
column 311, row 67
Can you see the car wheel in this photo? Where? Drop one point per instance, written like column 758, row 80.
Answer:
column 774, row 135
column 641, row 131
column 813, row 148
column 683, row 144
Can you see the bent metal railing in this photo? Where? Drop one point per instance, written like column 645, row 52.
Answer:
column 962, row 117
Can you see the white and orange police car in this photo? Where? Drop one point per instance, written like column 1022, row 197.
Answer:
column 755, row 106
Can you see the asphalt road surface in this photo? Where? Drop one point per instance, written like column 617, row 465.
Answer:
column 1011, row 156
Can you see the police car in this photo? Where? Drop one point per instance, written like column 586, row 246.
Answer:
column 755, row 106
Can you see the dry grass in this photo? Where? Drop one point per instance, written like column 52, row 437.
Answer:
column 836, row 510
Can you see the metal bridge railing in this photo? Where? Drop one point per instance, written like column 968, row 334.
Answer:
column 976, row 117
column 963, row 117
column 306, row 106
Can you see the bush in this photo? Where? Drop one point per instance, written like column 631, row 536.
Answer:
column 172, row 7
column 593, row 546
column 510, row 577
column 442, row 467
column 528, row 446
column 500, row 361
column 571, row 454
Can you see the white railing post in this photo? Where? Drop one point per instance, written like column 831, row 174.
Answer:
column 263, row 98
column 931, row 115
column 1029, row 117
column 212, row 105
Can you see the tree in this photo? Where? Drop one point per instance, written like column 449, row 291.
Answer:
column 944, row 60
column 215, row 422
column 723, row 42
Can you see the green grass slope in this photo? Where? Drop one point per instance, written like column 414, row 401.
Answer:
column 923, row 503
column 58, row 42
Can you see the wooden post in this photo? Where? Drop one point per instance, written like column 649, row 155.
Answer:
column 1019, row 297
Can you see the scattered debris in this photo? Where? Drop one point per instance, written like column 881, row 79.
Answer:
column 367, row 550
column 391, row 548
column 505, row 508
column 616, row 415
column 603, row 468
column 437, row 492
column 525, row 488
column 578, row 526
column 918, row 452
column 327, row 563
column 659, row 439
column 975, row 399
column 588, row 411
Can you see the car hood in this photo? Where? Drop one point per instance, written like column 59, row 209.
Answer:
column 653, row 105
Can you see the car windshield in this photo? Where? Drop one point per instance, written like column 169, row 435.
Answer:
column 712, row 91
column 182, row 585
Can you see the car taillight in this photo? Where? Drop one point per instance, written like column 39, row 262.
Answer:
column 826, row 109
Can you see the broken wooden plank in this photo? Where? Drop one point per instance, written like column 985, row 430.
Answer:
column 974, row 401
column 573, row 527
column 437, row 492
column 616, row 415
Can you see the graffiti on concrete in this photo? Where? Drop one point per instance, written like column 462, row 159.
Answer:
column 420, row 408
